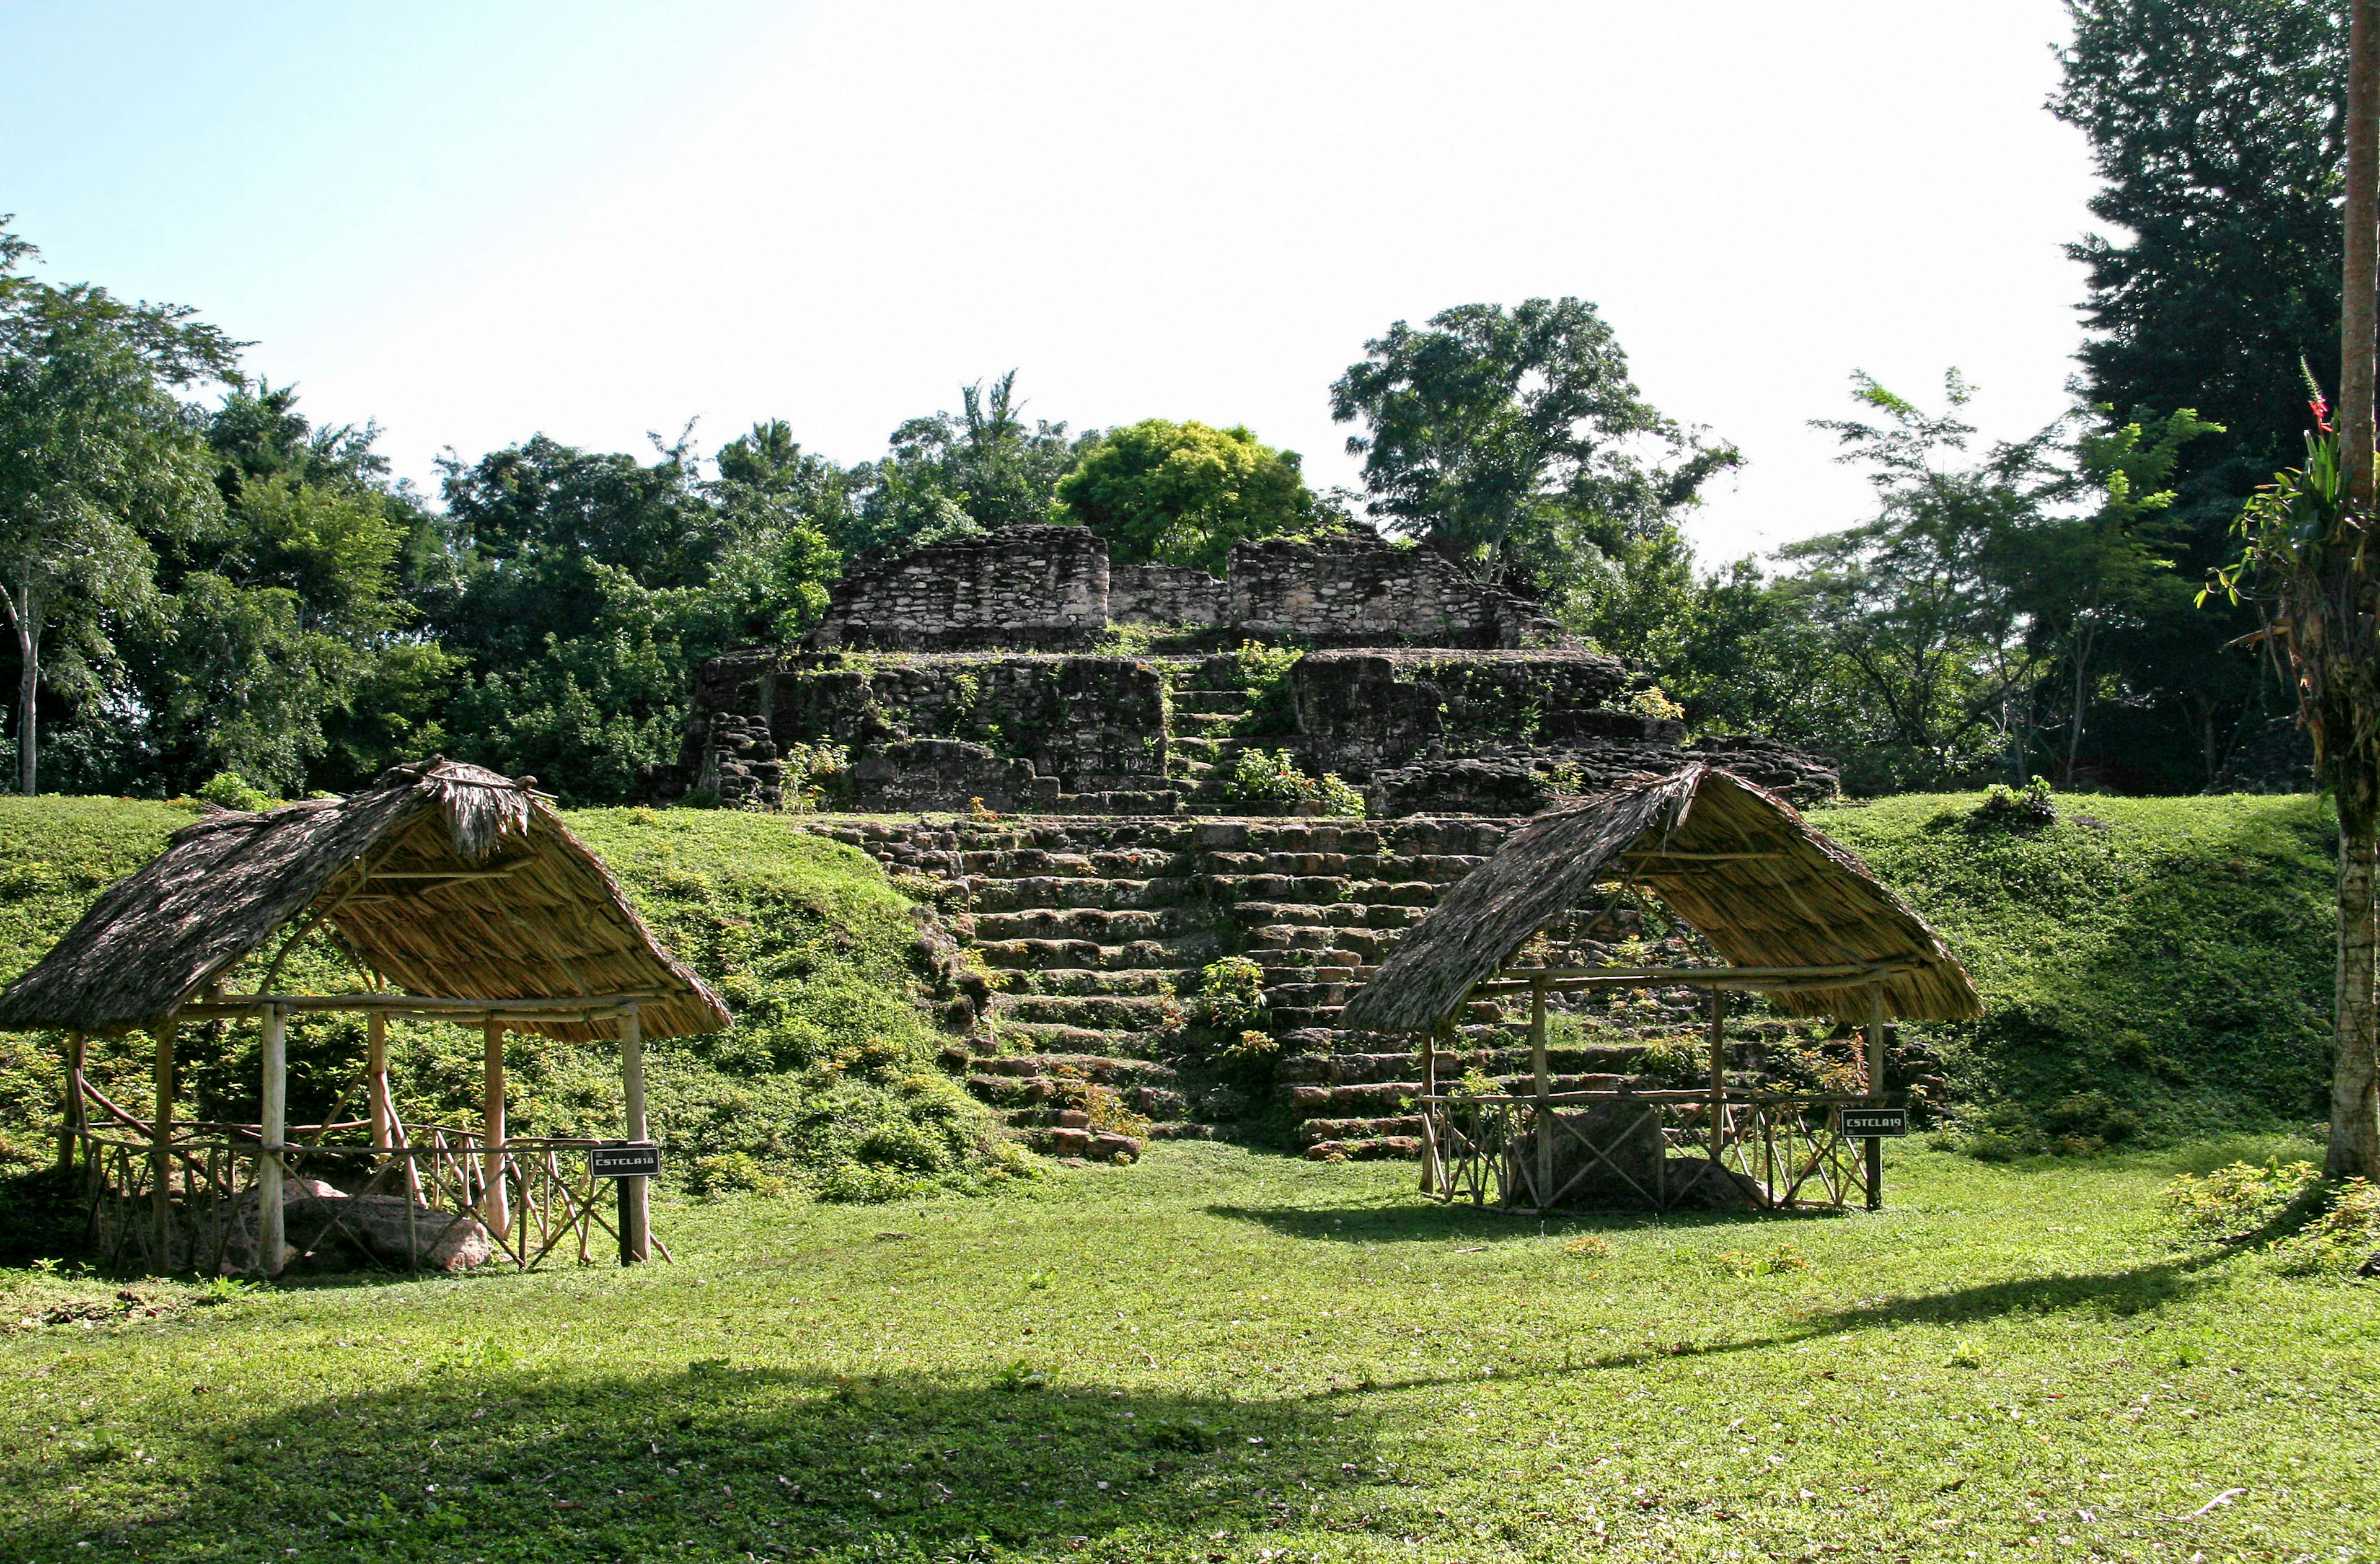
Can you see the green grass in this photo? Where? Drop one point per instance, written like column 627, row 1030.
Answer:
column 1225, row 1355
column 2153, row 968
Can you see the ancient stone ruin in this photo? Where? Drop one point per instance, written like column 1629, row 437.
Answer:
column 1080, row 728
column 1018, row 671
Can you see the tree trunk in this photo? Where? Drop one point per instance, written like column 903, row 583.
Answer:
column 2354, row 1114
column 2361, row 272
column 2355, row 1070
column 23, row 621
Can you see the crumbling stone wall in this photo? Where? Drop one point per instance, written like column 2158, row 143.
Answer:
column 1052, row 588
column 1359, row 712
column 1090, row 723
column 1164, row 594
column 1359, row 591
column 1023, row 586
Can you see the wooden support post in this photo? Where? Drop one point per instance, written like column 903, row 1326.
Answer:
column 376, row 1078
column 495, row 1204
column 1719, row 1075
column 1544, row 1129
column 273, row 1134
column 70, row 1104
column 161, row 1141
column 635, row 1194
column 1874, row 1151
column 1428, row 1090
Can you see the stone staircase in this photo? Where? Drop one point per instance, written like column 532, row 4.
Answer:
column 1094, row 932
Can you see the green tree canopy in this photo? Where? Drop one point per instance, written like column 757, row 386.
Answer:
column 1515, row 442
column 1182, row 494
column 98, row 460
column 2217, row 127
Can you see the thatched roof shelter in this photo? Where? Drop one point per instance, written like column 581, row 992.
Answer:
column 448, row 881
column 1736, row 862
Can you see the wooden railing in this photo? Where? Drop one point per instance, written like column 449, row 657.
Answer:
column 1652, row 1150
column 187, row 1200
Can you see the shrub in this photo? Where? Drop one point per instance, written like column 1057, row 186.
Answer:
column 1272, row 780
column 1264, row 677
column 229, row 790
column 1231, row 994
column 2233, row 1202
column 1652, row 701
column 2018, row 809
column 816, row 776
column 2344, row 1236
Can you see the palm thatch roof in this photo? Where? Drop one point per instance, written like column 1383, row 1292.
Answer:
column 1732, row 859
column 448, row 881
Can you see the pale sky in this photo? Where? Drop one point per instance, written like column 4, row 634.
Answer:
column 479, row 221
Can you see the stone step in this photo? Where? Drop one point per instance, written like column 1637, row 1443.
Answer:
column 1302, row 996
column 1096, row 924
column 1393, row 1097
column 1365, row 1069
column 1342, row 971
column 1324, row 889
column 1118, row 782
column 1092, row 980
column 1055, row 892
column 1206, row 724
column 1403, row 1124
column 1127, row 862
column 1336, row 915
column 1104, row 1069
column 1271, row 834
column 1034, row 954
column 1099, row 1012
column 1233, row 701
column 1207, row 746
column 1141, row 802
column 1058, row 1037
column 1382, row 1148
column 1435, row 869
column 1290, row 1018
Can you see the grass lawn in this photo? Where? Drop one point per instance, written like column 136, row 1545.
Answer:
column 1227, row 1356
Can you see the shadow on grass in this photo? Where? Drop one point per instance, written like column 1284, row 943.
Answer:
column 1431, row 1221
column 709, row 1459
column 2142, row 1290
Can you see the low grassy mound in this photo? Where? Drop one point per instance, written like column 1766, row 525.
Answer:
column 2154, row 968
column 827, row 1083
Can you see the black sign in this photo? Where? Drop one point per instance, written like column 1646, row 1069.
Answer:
column 1865, row 1124
column 625, row 1159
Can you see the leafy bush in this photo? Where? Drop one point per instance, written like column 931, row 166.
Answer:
column 2344, row 1236
column 229, row 790
column 2027, row 809
column 2235, row 1201
column 1264, row 677
column 1651, row 701
column 1231, row 994
column 1272, row 780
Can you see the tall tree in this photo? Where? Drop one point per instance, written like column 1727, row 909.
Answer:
column 1511, row 441
column 985, row 459
column 2308, row 561
column 97, row 459
column 1182, row 494
column 2216, row 129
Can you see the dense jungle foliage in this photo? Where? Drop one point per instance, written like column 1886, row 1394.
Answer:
column 197, row 579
